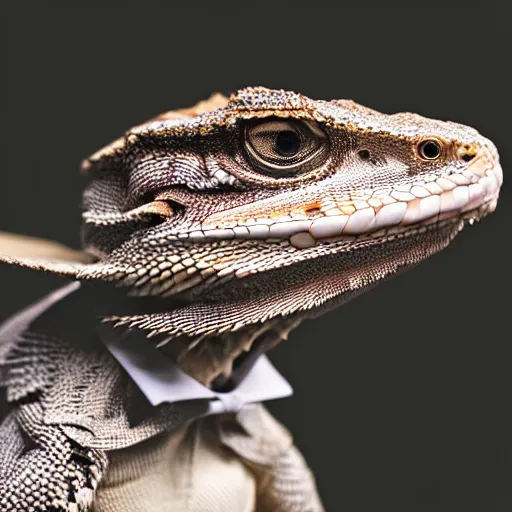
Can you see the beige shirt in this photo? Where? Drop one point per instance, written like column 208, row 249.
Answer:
column 190, row 470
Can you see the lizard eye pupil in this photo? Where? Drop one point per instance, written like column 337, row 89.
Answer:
column 287, row 143
column 429, row 149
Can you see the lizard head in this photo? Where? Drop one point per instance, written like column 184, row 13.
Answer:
column 273, row 206
column 246, row 215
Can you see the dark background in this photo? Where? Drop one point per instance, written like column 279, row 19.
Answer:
column 402, row 396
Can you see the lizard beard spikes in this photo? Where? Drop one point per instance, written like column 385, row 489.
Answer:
column 206, row 337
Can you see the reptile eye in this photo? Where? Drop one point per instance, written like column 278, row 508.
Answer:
column 284, row 147
column 430, row 149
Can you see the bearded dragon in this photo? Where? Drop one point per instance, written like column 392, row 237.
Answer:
column 209, row 233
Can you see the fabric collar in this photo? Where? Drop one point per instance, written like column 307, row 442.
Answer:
column 163, row 381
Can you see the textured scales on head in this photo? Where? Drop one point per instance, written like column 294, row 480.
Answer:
column 244, row 216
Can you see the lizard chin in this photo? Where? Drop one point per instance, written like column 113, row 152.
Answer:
column 303, row 288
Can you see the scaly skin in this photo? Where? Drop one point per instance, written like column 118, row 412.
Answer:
column 184, row 208
column 216, row 230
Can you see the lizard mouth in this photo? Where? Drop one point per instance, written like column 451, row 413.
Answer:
column 470, row 194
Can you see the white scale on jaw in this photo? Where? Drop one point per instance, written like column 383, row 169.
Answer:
column 446, row 196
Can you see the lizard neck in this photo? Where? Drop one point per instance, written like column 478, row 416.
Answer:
column 221, row 362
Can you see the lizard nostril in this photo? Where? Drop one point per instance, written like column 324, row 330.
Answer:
column 467, row 152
